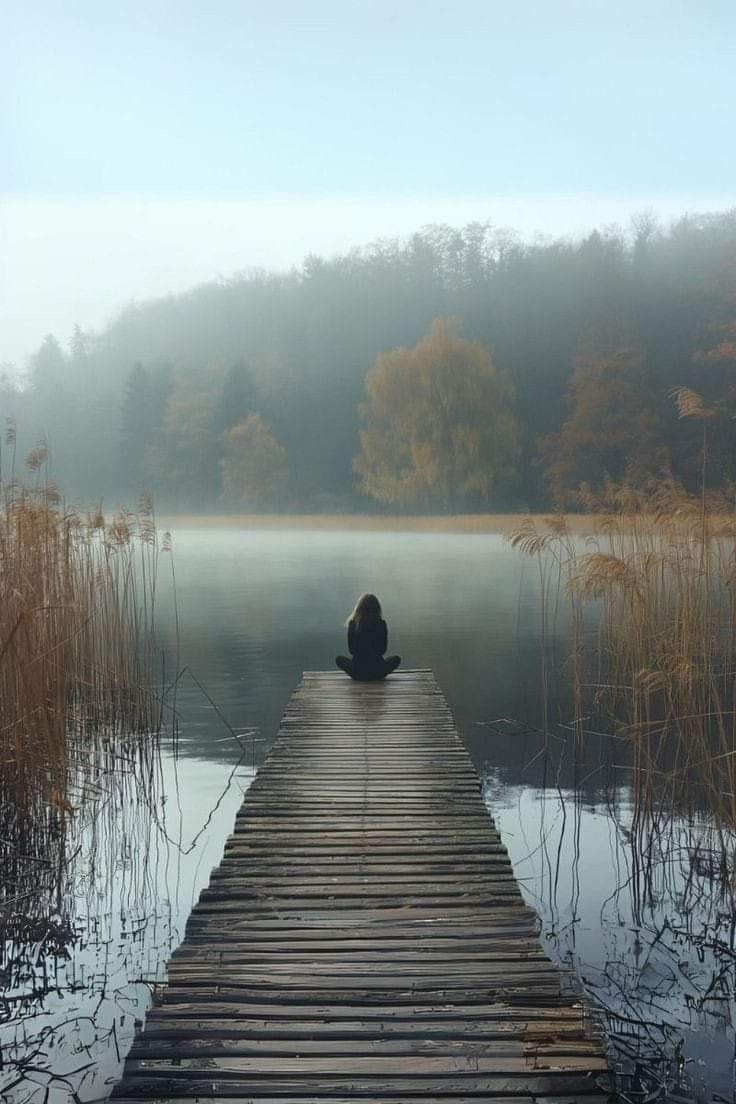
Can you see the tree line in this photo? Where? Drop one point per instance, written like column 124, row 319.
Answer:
column 454, row 370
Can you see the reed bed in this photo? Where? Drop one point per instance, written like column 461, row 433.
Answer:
column 651, row 594
column 77, row 678
column 640, row 698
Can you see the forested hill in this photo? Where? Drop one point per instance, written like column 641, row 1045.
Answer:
column 249, row 392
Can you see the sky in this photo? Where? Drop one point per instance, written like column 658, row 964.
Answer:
column 145, row 147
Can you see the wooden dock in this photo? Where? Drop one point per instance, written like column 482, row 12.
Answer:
column 364, row 937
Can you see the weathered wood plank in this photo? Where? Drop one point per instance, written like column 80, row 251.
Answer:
column 249, row 1088
column 301, row 1099
column 355, row 1065
column 399, row 1011
column 350, row 1032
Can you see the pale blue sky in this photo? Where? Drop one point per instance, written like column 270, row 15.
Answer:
column 579, row 111
column 251, row 97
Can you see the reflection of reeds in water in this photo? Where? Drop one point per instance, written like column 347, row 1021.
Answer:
column 77, row 980
column 647, row 929
column 75, row 960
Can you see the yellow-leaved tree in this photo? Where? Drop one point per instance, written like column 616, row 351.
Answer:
column 439, row 429
column 254, row 468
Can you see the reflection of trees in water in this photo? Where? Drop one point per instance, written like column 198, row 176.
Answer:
column 77, row 921
column 93, row 905
column 638, row 901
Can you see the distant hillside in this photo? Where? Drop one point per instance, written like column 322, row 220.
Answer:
column 590, row 337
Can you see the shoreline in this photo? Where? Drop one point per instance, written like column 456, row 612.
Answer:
column 447, row 523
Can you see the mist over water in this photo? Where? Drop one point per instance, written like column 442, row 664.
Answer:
column 258, row 607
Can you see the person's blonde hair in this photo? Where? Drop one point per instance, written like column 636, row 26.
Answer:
column 367, row 608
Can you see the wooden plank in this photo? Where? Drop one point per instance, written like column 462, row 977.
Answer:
column 182, row 1046
column 364, row 936
column 399, row 1011
column 140, row 1084
column 229, row 880
column 413, row 855
column 409, row 926
column 259, row 1099
column 494, row 947
column 353, row 910
column 341, row 1099
column 353, row 1031
column 543, row 993
column 346, row 975
column 507, row 952
column 356, row 1066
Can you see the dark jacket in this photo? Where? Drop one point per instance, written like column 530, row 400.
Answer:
column 367, row 642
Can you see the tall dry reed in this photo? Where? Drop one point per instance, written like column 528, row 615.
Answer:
column 652, row 596
column 76, row 639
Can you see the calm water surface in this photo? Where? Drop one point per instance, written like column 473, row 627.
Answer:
column 255, row 608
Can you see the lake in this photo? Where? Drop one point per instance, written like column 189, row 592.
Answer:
column 256, row 607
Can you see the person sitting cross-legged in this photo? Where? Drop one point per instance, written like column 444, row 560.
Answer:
column 367, row 642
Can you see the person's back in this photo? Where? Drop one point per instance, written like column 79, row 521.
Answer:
column 367, row 642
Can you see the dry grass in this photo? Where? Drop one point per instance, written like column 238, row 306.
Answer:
column 652, row 589
column 76, row 639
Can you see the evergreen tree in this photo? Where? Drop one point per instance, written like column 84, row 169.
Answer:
column 48, row 367
column 239, row 397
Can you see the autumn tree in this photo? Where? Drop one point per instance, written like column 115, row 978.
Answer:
column 254, row 467
column 439, row 431
column 612, row 433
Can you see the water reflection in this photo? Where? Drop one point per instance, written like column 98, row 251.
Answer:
column 79, row 979
column 646, row 927
column 256, row 608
